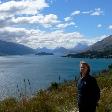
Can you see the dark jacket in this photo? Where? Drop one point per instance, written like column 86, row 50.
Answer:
column 88, row 91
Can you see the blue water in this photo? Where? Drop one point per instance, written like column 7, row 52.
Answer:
column 40, row 71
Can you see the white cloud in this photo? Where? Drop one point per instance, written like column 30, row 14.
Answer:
column 43, row 20
column 97, row 12
column 22, row 7
column 76, row 26
column 47, row 19
column 37, row 38
column 64, row 25
column 87, row 12
column 110, row 27
column 12, row 34
column 26, row 11
column 99, row 25
column 51, row 18
column 67, row 19
column 75, row 13
column 16, row 17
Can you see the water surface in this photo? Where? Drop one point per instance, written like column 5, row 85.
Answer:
column 40, row 71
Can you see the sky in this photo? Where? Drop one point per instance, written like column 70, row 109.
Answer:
column 55, row 23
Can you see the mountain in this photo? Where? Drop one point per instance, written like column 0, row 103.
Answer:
column 57, row 50
column 82, row 46
column 103, row 45
column 101, row 49
column 60, row 50
column 43, row 49
column 63, row 51
column 10, row 48
column 43, row 53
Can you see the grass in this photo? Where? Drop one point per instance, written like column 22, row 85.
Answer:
column 60, row 97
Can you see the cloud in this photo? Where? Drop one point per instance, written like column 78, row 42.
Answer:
column 87, row 12
column 37, row 38
column 67, row 19
column 51, row 18
column 64, row 25
column 50, row 1
column 41, row 19
column 110, row 27
column 23, row 22
column 17, row 17
column 75, row 13
column 27, row 11
column 22, row 7
column 76, row 26
column 15, row 13
column 97, row 12
column 99, row 25
column 53, row 39
column 13, row 34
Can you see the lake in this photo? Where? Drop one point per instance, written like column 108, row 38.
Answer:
column 31, row 73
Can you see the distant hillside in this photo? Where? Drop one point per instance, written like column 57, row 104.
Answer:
column 43, row 49
column 80, row 47
column 60, row 50
column 10, row 48
column 101, row 49
column 103, row 45
column 43, row 53
column 57, row 50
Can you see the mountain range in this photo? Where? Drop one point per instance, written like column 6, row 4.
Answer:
column 10, row 48
column 101, row 49
column 103, row 45
column 63, row 51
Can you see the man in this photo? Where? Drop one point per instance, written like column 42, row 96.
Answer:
column 88, row 90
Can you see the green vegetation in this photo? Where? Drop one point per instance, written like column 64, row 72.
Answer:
column 92, row 54
column 61, row 97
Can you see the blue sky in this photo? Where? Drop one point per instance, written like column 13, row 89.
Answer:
column 55, row 23
column 87, row 24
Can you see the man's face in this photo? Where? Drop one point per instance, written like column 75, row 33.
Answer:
column 83, row 69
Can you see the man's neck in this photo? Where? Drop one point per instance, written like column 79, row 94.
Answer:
column 84, row 76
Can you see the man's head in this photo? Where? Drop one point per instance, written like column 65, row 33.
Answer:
column 84, row 68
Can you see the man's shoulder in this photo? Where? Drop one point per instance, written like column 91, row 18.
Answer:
column 92, row 78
